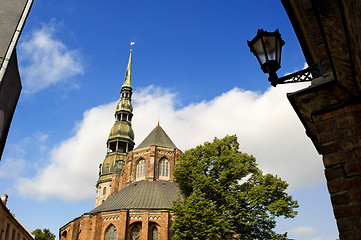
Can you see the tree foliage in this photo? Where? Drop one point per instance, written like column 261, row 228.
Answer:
column 226, row 196
column 44, row 234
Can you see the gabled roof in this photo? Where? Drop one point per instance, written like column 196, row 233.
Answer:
column 142, row 195
column 157, row 137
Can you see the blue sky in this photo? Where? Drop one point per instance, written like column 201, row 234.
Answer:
column 191, row 68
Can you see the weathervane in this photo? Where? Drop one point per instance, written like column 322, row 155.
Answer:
column 131, row 44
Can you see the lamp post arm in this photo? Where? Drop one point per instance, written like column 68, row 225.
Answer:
column 304, row 75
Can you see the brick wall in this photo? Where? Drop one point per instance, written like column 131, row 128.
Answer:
column 339, row 135
column 10, row 227
column 93, row 227
column 152, row 155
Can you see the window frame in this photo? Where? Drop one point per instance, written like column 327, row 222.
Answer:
column 141, row 170
column 131, row 233
column 110, row 232
column 157, row 233
column 163, row 169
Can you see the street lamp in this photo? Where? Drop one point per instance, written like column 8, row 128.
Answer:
column 267, row 47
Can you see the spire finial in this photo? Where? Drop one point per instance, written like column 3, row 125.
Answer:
column 131, row 44
column 128, row 77
column 158, row 120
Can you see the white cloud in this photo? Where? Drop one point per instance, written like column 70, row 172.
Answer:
column 266, row 125
column 11, row 168
column 45, row 60
column 302, row 231
column 73, row 166
column 13, row 164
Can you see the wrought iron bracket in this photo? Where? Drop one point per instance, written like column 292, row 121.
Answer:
column 304, row 75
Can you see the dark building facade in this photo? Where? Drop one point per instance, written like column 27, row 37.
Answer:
column 13, row 14
column 135, row 189
column 10, row 227
column 329, row 31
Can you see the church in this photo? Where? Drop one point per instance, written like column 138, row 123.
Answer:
column 135, row 189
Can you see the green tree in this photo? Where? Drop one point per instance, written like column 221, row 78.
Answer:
column 226, row 196
column 44, row 234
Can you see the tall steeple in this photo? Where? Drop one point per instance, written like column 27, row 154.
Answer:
column 120, row 140
column 121, row 137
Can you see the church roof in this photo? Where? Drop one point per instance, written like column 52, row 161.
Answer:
column 157, row 137
column 142, row 195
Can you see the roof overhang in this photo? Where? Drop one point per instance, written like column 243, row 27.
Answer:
column 13, row 14
column 328, row 30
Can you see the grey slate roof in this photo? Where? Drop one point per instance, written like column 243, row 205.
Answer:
column 157, row 137
column 142, row 195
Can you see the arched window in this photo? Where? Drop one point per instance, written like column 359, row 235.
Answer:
column 135, row 233
column 155, row 234
column 163, row 169
column 140, row 170
column 104, row 190
column 111, row 233
column 64, row 234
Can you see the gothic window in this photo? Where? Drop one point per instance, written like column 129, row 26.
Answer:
column 107, row 168
column 140, row 170
column 163, row 169
column 111, row 233
column 104, row 190
column 155, row 234
column 135, row 233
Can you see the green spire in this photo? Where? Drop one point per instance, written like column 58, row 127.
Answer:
column 128, row 77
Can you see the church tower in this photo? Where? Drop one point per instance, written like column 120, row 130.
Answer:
column 135, row 188
column 120, row 142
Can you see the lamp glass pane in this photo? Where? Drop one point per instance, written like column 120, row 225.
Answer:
column 270, row 46
column 259, row 51
column 279, row 50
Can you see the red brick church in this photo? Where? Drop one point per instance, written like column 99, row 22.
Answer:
column 135, row 189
